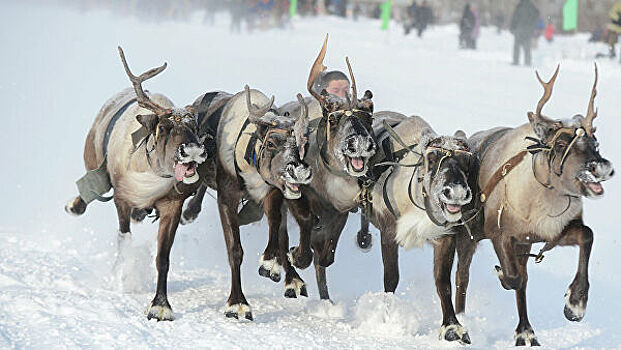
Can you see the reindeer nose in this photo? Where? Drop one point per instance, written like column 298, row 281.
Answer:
column 351, row 144
column 457, row 193
column 300, row 172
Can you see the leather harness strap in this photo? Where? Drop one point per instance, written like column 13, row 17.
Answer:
column 500, row 174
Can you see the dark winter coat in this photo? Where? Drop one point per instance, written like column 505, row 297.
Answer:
column 467, row 23
column 524, row 19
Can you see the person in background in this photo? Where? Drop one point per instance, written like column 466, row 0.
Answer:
column 467, row 26
column 422, row 17
column 410, row 17
column 523, row 25
column 548, row 33
column 614, row 27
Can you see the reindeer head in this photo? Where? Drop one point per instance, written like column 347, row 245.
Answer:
column 345, row 131
column 574, row 164
column 282, row 143
column 446, row 173
column 173, row 145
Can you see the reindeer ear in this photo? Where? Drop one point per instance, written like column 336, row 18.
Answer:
column 542, row 126
column 426, row 135
column 366, row 104
column 149, row 121
column 460, row 134
column 191, row 109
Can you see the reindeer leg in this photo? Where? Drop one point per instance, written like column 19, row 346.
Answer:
column 194, row 206
column 507, row 272
column 294, row 284
column 443, row 255
column 524, row 334
column 236, row 306
column 364, row 239
column 576, row 233
column 322, row 282
column 326, row 239
column 302, row 255
column 390, row 258
column 270, row 263
column 170, row 212
column 465, row 250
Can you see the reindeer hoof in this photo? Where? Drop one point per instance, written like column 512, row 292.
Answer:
column 455, row 332
column 188, row 217
column 526, row 338
column 270, row 269
column 295, row 288
column 238, row 311
column 574, row 311
column 300, row 260
column 160, row 312
column 138, row 215
column 364, row 240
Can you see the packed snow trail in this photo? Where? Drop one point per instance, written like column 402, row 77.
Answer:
column 62, row 284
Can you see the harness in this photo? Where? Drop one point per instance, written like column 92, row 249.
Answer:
column 252, row 156
column 423, row 160
column 365, row 183
column 96, row 182
column 539, row 147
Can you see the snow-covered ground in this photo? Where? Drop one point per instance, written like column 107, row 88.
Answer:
column 61, row 288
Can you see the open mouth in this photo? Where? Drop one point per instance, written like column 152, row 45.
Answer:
column 292, row 191
column 451, row 208
column 595, row 188
column 356, row 164
column 186, row 172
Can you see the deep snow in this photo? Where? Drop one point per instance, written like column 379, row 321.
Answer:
column 62, row 287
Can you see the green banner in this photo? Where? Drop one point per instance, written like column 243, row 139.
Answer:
column 570, row 15
column 385, row 16
column 293, row 7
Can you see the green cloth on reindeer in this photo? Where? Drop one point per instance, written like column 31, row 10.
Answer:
column 95, row 184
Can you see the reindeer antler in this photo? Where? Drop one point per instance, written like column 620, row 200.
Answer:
column 591, row 112
column 547, row 87
column 300, row 128
column 353, row 83
column 143, row 100
column 255, row 113
column 316, row 69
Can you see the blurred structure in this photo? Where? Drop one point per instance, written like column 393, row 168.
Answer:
column 258, row 14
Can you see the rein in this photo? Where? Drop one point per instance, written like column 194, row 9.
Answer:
column 422, row 160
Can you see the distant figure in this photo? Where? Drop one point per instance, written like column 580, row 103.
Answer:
column 523, row 25
column 614, row 27
column 468, row 28
column 548, row 33
column 410, row 20
column 422, row 17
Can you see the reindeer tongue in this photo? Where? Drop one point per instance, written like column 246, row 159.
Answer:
column 180, row 170
column 595, row 187
column 357, row 163
column 453, row 208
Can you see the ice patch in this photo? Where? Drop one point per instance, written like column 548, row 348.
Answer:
column 385, row 315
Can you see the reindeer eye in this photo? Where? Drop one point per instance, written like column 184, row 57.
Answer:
column 270, row 144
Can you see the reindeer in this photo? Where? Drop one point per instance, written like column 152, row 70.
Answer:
column 340, row 152
column 160, row 173
column 259, row 158
column 533, row 178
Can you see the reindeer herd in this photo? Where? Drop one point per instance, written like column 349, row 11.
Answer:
column 321, row 157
